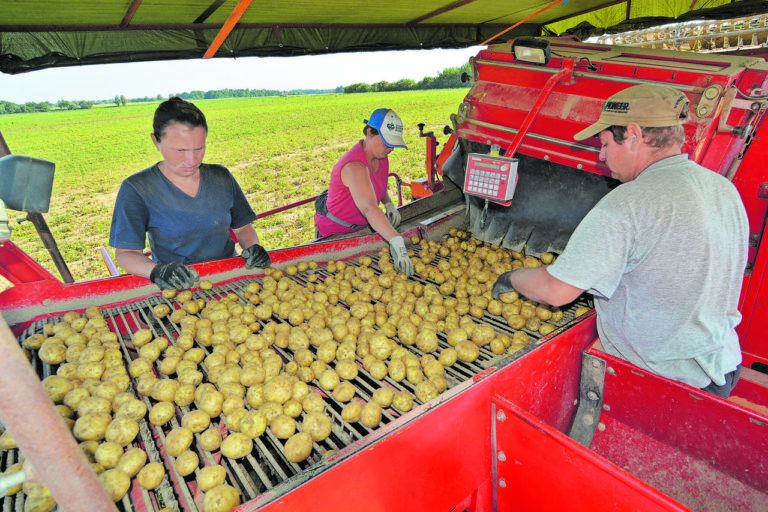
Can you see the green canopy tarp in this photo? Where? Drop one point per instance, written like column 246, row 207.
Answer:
column 49, row 33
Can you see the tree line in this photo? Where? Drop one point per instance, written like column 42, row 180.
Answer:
column 8, row 107
column 450, row 78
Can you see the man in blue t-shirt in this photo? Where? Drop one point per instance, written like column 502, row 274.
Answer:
column 185, row 207
column 663, row 254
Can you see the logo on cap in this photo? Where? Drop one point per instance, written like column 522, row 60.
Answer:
column 618, row 107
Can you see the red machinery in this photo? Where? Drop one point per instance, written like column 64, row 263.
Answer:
column 557, row 425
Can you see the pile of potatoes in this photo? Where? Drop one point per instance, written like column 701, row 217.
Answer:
column 233, row 364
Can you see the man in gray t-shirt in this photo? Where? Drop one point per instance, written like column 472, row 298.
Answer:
column 663, row 254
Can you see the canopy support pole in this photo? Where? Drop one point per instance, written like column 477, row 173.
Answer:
column 239, row 10
column 524, row 20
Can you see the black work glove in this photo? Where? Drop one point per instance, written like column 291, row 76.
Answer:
column 174, row 275
column 256, row 256
column 502, row 285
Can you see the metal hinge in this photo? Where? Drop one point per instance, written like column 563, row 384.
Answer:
column 590, row 406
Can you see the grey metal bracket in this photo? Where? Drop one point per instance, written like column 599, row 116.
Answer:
column 591, row 386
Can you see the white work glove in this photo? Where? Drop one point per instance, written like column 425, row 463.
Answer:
column 393, row 216
column 400, row 256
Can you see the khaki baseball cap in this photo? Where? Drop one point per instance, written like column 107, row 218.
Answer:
column 649, row 106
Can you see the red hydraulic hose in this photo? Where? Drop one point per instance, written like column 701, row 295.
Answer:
column 28, row 413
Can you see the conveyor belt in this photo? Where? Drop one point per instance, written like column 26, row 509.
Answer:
column 266, row 466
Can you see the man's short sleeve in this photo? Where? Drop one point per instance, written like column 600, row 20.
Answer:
column 597, row 253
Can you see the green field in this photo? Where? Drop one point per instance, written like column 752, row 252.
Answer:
column 280, row 149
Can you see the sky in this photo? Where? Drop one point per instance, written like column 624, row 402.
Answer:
column 136, row 80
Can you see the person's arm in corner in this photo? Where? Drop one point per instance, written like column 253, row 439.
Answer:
column 27, row 412
column 354, row 175
column 246, row 236
column 134, row 262
column 539, row 285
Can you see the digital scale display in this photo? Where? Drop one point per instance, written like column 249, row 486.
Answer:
column 490, row 176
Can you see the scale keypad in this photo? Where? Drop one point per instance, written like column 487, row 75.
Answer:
column 490, row 176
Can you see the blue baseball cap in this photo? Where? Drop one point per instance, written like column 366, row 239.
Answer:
column 389, row 125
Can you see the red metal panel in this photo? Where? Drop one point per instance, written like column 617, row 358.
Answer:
column 38, row 287
column 18, row 267
column 541, row 469
column 505, row 92
column 749, row 180
column 728, row 437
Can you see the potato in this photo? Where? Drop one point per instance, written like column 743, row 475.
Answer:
column 161, row 413
column 293, row 408
column 178, row 440
column 91, row 426
column 221, row 498
column 425, row 391
column 329, row 379
column 397, row 370
column 196, row 421
column 467, row 351
column 122, row 431
column 57, row 387
column 124, row 398
column 298, row 447
column 352, row 411
column 93, row 405
column 186, row 463
column 161, row 310
column 232, row 420
column 151, row 475
column 483, row 334
column 38, row 498
column 271, row 410
column 211, row 402
column 132, row 461
column 378, row 369
column 210, row 440
column 116, row 483
column 253, row 424
column 108, row 454
column 370, row 416
column 52, row 352
column 313, row 402
column 546, row 329
column 497, row 345
column 141, row 337
column 237, row 445
column 456, row 336
column 299, row 391
column 383, row 396
column 64, row 411
column 211, row 476
column 406, row 332
column 278, row 389
column 347, row 369
column 185, row 395
column 448, row 356
column 139, row 366
column 34, row 342
column 427, row 340
column 580, row 311
column 344, row 392
column 318, row 425
column 403, row 401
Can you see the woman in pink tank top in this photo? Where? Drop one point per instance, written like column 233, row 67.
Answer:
column 359, row 183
